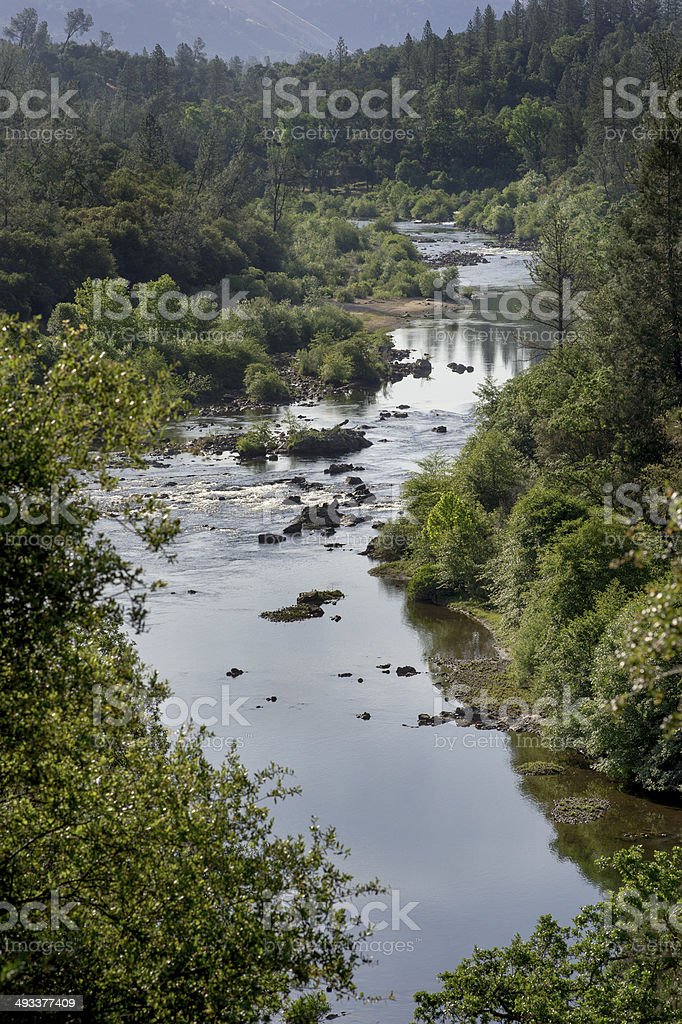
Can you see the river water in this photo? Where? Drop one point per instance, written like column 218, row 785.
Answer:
column 439, row 814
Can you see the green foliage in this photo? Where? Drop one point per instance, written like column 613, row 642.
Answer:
column 256, row 443
column 264, row 386
column 532, row 524
column 632, row 744
column 572, row 571
column 456, row 539
column 529, row 128
column 423, row 490
column 158, row 860
column 308, row 1009
column 490, row 470
column 396, row 539
column 616, row 962
column 355, row 360
column 426, row 583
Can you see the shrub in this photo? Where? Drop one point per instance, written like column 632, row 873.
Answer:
column 490, row 469
column 308, row 1009
column 264, row 386
column 457, row 536
column 426, row 583
column 395, row 540
column 256, row 443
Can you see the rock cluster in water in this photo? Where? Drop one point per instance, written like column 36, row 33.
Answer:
column 308, row 606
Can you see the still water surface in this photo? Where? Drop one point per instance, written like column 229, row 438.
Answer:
column 438, row 814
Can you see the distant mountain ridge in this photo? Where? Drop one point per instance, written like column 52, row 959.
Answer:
column 254, row 28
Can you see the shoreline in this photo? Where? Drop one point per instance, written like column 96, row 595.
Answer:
column 390, row 314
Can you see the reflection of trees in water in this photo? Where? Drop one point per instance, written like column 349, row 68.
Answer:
column 631, row 819
column 449, row 634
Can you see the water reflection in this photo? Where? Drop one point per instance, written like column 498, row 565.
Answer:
column 632, row 818
column 449, row 634
column 437, row 813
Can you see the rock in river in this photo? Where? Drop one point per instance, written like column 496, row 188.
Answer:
column 316, row 517
column 334, row 441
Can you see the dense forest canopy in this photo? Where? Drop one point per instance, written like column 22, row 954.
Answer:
column 165, row 164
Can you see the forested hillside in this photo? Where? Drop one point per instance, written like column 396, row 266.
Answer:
column 166, row 163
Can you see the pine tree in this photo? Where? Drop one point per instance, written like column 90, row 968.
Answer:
column 489, row 27
column 341, row 54
column 637, row 319
column 449, row 56
column 22, row 27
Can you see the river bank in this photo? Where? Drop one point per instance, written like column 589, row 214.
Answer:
column 440, row 813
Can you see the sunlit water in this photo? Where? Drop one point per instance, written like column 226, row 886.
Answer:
column 437, row 813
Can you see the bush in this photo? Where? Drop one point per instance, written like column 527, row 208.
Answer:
column 256, row 443
column 630, row 744
column 308, row 1009
column 426, row 583
column 573, row 571
column 490, row 469
column 456, row 538
column 532, row 524
column 395, row 540
column 264, row 386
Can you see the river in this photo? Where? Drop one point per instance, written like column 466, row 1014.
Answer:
column 439, row 814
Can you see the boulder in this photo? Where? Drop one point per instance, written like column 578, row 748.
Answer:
column 421, row 368
column 335, row 441
column 318, row 597
column 316, row 517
